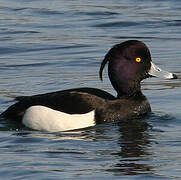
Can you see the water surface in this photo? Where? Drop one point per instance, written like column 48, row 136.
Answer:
column 54, row 45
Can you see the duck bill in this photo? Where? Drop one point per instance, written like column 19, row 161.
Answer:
column 155, row 71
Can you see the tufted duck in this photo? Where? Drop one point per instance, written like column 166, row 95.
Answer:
column 128, row 64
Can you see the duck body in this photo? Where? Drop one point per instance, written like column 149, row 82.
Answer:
column 128, row 64
column 81, row 101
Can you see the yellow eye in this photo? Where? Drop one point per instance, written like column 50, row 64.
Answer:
column 138, row 59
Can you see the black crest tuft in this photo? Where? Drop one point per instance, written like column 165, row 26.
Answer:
column 102, row 67
column 107, row 58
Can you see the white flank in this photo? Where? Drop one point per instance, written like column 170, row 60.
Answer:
column 47, row 119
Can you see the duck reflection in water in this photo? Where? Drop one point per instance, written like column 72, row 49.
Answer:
column 134, row 142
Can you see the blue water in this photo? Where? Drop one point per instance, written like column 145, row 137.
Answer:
column 53, row 45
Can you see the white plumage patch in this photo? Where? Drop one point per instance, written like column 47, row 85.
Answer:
column 47, row 119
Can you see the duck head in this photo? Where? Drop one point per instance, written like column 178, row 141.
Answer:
column 128, row 64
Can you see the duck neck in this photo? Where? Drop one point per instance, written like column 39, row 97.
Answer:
column 128, row 90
